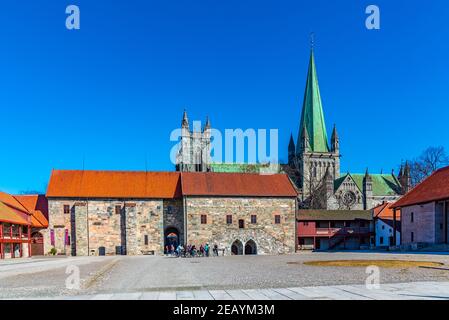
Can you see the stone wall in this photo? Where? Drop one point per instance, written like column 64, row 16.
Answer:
column 270, row 238
column 423, row 225
column 95, row 223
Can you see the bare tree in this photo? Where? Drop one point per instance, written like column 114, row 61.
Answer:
column 313, row 189
column 430, row 160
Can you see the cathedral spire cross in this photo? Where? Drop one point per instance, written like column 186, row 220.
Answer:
column 312, row 40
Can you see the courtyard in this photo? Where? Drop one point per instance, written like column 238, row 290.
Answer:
column 169, row 277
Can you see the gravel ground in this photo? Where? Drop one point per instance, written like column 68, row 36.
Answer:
column 150, row 273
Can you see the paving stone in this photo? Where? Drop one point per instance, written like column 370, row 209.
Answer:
column 150, row 295
column 238, row 295
column 255, row 294
column 273, row 295
column 167, row 295
column 184, row 295
column 220, row 295
column 202, row 295
column 290, row 294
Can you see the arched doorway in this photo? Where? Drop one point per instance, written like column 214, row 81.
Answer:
column 37, row 244
column 237, row 247
column 250, row 247
column 171, row 237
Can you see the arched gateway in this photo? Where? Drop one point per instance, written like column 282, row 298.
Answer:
column 171, row 237
column 237, row 247
column 250, row 247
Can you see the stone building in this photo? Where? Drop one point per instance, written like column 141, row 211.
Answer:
column 113, row 212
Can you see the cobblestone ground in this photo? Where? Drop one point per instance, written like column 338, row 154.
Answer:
column 34, row 278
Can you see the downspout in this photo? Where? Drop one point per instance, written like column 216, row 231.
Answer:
column 184, row 199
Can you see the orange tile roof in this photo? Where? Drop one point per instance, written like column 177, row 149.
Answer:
column 11, row 201
column 433, row 188
column 236, row 184
column 114, row 184
column 164, row 185
column 37, row 205
column 12, row 215
column 385, row 211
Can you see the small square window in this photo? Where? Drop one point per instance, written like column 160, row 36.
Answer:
column 118, row 209
column 229, row 219
column 277, row 219
column 66, row 209
column 203, row 219
column 241, row 224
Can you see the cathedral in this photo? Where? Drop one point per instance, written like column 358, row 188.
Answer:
column 313, row 162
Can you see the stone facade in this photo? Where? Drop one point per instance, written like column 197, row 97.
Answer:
column 422, row 226
column 268, row 236
column 136, row 227
column 133, row 227
column 426, row 222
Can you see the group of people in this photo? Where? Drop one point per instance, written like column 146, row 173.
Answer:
column 187, row 251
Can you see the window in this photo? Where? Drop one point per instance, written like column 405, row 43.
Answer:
column 411, row 217
column 277, row 219
column 381, row 240
column 229, row 219
column 169, row 210
column 118, row 209
column 203, row 219
column 412, row 237
column 145, row 239
column 253, row 218
column 305, row 223
column 383, row 227
column 241, row 223
column 66, row 209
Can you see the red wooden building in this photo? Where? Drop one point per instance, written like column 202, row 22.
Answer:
column 334, row 229
column 17, row 223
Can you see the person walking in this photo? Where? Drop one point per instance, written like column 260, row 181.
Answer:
column 206, row 249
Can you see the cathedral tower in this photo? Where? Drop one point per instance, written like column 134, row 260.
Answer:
column 195, row 147
column 313, row 156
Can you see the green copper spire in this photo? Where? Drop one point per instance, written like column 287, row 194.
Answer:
column 312, row 116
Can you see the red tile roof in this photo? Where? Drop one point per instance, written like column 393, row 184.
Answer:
column 114, row 184
column 165, row 185
column 236, row 184
column 433, row 188
column 37, row 205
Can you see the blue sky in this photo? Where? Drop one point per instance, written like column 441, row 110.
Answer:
column 111, row 92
